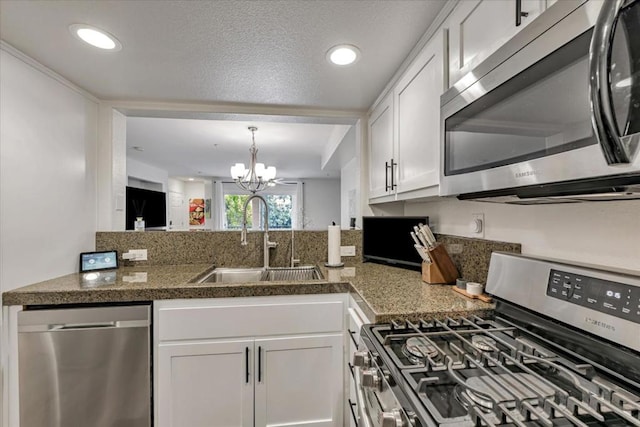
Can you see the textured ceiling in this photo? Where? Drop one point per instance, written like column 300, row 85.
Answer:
column 247, row 52
column 255, row 52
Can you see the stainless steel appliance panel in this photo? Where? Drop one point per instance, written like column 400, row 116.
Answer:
column 85, row 367
column 524, row 281
column 528, row 120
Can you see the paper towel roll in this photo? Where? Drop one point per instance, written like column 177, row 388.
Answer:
column 334, row 245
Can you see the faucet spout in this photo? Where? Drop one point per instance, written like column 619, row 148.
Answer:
column 243, row 235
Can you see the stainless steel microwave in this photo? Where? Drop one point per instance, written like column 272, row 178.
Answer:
column 553, row 115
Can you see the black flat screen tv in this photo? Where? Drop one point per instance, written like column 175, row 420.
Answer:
column 150, row 205
column 387, row 240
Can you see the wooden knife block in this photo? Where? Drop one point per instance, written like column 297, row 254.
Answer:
column 441, row 270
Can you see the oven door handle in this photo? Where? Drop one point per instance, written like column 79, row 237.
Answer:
column 364, row 420
column 615, row 150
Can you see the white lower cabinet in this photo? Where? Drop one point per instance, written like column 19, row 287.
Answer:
column 204, row 384
column 285, row 370
column 299, row 381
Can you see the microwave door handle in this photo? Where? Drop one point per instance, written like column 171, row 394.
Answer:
column 614, row 149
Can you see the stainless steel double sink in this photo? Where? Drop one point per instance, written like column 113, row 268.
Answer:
column 249, row 275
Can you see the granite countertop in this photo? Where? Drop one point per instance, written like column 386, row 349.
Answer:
column 383, row 292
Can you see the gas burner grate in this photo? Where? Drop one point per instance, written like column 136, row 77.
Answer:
column 501, row 377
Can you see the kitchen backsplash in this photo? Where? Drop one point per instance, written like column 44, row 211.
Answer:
column 223, row 249
column 472, row 256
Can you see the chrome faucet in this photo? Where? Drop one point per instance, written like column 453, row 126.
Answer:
column 243, row 235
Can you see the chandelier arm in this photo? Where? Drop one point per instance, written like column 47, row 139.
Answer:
column 250, row 181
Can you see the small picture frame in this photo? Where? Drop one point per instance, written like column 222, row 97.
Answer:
column 97, row 261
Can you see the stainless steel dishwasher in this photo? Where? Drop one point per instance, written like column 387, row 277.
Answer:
column 85, row 367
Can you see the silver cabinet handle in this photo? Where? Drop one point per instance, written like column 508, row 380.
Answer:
column 259, row 364
column 386, row 176
column 519, row 13
column 614, row 149
column 393, row 172
column 246, row 362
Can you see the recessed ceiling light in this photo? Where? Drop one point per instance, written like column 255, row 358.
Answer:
column 191, row 179
column 343, row 54
column 95, row 37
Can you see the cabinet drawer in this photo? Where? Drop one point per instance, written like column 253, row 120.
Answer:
column 203, row 321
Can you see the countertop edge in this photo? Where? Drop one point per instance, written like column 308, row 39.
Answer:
column 189, row 290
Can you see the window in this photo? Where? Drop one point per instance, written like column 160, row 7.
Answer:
column 280, row 210
column 282, row 202
column 233, row 204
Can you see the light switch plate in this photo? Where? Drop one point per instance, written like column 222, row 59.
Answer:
column 347, row 251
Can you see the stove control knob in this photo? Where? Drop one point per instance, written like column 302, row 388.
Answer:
column 392, row 418
column 371, row 378
column 361, row 359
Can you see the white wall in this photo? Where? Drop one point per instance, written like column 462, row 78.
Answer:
column 177, row 205
column 144, row 172
column 321, row 203
column 48, row 178
column 350, row 193
column 602, row 233
column 111, row 168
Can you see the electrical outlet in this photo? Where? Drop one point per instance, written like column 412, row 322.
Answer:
column 477, row 224
column 135, row 255
column 347, row 251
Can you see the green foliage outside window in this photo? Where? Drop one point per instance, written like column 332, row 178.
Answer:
column 280, row 211
column 233, row 207
column 280, row 208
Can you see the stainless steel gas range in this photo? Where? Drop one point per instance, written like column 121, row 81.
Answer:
column 562, row 349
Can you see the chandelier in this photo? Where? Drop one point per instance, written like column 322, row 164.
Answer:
column 257, row 177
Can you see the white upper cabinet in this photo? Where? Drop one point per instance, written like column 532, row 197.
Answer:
column 404, row 130
column 417, row 115
column 477, row 28
column 381, row 148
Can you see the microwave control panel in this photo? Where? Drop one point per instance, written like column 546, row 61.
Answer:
column 613, row 298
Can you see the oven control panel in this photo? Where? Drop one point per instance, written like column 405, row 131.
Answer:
column 616, row 299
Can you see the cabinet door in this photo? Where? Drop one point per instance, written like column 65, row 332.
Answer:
column 417, row 118
column 380, row 147
column 299, row 381
column 477, row 28
column 205, row 384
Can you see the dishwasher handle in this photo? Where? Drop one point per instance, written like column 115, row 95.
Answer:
column 67, row 326
column 89, row 318
column 60, row 327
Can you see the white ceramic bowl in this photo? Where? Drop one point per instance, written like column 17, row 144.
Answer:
column 474, row 288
